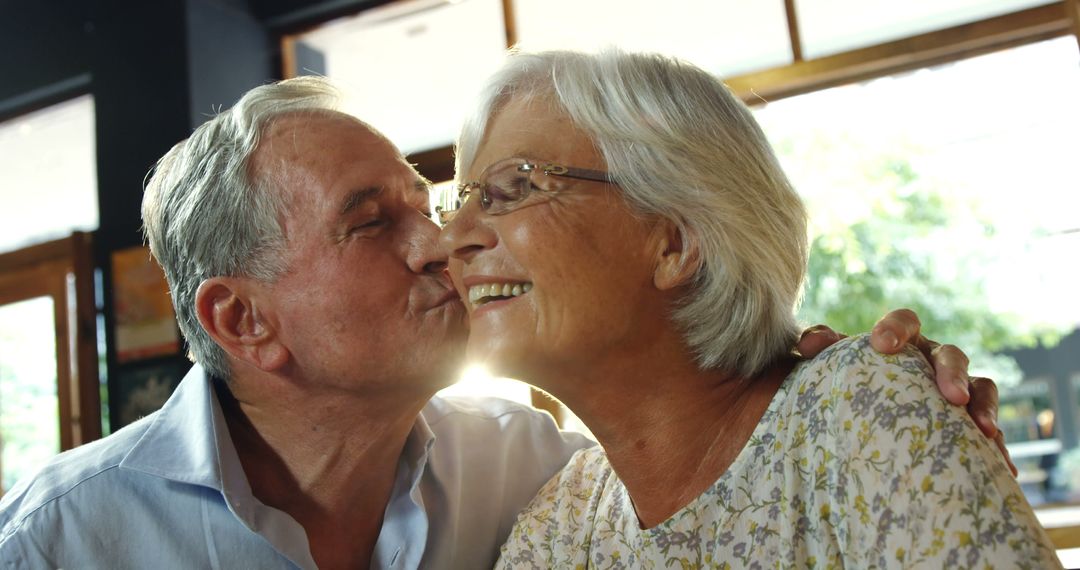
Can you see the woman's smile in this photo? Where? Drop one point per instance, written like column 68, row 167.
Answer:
column 496, row 292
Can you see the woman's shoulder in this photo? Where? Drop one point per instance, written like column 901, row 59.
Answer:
column 852, row 378
column 854, row 356
column 909, row 478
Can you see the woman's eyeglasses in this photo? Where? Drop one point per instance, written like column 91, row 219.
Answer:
column 509, row 183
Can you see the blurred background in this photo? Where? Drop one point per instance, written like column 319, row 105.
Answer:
column 935, row 142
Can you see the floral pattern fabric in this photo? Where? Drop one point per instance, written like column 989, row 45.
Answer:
column 858, row 462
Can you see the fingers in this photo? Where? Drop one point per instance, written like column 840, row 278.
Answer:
column 950, row 371
column 983, row 409
column 894, row 330
column 999, row 439
column 983, row 405
column 816, row 339
column 901, row 327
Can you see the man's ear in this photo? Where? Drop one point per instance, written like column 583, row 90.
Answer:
column 229, row 311
column 678, row 256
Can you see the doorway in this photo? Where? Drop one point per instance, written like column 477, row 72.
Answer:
column 49, row 388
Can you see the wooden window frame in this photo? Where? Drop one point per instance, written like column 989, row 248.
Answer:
column 64, row 271
column 806, row 75
column 914, row 52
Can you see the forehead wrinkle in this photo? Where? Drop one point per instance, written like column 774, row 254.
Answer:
column 358, row 197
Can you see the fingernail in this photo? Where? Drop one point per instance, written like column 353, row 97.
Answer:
column 890, row 339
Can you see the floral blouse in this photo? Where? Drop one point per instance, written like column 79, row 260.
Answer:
column 858, row 462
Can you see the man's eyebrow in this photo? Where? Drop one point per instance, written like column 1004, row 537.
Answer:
column 358, row 197
column 423, row 185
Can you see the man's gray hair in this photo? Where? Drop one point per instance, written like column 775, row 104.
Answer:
column 682, row 147
column 206, row 213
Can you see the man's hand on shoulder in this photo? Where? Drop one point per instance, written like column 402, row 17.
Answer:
column 901, row 327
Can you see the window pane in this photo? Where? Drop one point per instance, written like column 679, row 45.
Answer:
column 723, row 36
column 831, row 26
column 411, row 69
column 953, row 191
column 48, row 174
column 29, row 420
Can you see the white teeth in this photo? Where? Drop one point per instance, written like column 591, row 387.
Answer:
column 480, row 294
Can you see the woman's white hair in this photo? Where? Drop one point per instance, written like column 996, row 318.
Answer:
column 207, row 214
column 680, row 146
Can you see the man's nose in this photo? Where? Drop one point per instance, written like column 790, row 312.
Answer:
column 426, row 254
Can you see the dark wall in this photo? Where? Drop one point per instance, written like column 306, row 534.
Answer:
column 46, row 52
column 229, row 52
column 141, row 89
column 155, row 69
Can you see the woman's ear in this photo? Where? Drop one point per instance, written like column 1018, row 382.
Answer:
column 229, row 310
column 678, row 256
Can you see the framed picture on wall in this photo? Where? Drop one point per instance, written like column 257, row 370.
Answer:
column 145, row 321
column 140, row 389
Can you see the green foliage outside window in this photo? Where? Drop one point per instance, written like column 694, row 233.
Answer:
column 905, row 243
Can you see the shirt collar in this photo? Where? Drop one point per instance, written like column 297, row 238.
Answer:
column 404, row 534
column 189, row 442
column 418, row 449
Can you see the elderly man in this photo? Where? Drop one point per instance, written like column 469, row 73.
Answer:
column 307, row 281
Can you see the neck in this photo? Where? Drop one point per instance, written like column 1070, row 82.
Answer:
column 328, row 458
column 669, row 429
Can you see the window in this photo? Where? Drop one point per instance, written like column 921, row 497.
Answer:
column 951, row 190
column 410, row 69
column 29, row 408
column 48, row 174
column 705, row 32
column 49, row 390
column 831, row 26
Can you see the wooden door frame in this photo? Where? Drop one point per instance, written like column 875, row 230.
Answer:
column 64, row 271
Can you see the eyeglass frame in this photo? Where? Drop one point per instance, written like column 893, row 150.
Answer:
column 547, row 169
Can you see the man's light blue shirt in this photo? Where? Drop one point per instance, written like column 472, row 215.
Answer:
column 169, row 492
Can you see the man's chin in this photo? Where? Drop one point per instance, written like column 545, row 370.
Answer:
column 447, row 366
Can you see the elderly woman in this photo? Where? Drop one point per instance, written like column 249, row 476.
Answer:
column 629, row 243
